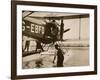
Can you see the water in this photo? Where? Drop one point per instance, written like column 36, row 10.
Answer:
column 74, row 56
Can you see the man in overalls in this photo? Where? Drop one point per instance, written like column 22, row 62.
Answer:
column 60, row 56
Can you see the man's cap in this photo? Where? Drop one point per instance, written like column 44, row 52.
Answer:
column 56, row 45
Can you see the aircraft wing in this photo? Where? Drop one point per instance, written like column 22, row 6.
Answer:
column 52, row 15
column 61, row 17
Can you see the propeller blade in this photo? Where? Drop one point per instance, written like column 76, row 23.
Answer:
column 66, row 30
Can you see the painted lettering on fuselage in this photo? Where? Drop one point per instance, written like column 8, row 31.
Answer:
column 33, row 28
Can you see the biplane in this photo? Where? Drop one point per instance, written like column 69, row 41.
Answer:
column 44, row 28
